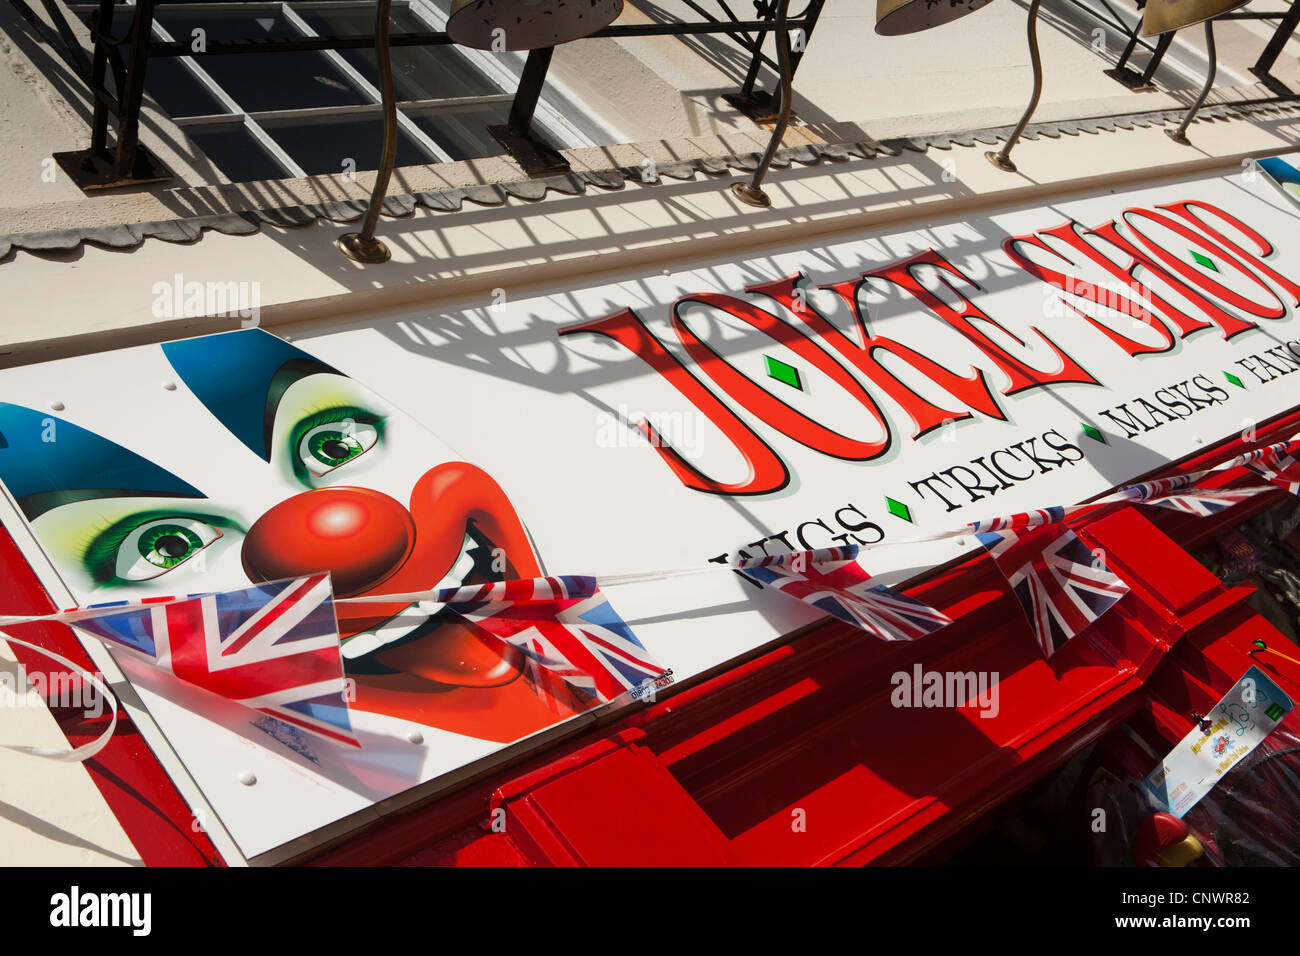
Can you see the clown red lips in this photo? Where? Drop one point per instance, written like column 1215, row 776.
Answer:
column 270, row 464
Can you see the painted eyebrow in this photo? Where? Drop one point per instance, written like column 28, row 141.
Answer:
column 241, row 378
column 46, row 462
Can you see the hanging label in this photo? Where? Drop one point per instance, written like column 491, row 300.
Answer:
column 1239, row 723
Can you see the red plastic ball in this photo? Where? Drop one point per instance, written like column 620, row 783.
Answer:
column 359, row 535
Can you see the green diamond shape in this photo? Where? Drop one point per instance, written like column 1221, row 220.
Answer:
column 1233, row 379
column 1203, row 261
column 782, row 372
column 898, row 509
column 1093, row 433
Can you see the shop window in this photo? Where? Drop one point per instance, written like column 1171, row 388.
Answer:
column 1264, row 551
column 302, row 113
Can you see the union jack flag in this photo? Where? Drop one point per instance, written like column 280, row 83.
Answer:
column 1020, row 522
column 1147, row 490
column 1203, row 501
column 566, row 626
column 801, row 558
column 839, row 586
column 520, row 590
column 273, row 647
column 1278, row 465
column 1057, row 579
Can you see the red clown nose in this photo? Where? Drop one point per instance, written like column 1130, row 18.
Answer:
column 360, row 536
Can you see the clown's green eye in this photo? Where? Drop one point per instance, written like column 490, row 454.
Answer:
column 326, row 447
column 158, row 546
column 148, row 544
column 330, row 438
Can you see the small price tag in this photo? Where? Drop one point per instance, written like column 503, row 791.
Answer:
column 1239, row 723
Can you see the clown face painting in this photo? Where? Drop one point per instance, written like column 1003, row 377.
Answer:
column 213, row 463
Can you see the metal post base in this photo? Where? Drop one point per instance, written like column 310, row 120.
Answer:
column 1002, row 162
column 92, row 170
column 751, row 194
column 361, row 249
column 536, row 158
column 760, row 106
column 1178, row 136
column 1132, row 79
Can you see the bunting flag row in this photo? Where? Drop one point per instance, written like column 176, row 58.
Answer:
column 1278, row 464
column 1203, row 502
column 564, row 626
column 1062, row 586
column 275, row 647
column 832, row 580
column 574, row 633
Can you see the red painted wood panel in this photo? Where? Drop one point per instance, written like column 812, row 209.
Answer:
column 807, row 726
column 137, row 789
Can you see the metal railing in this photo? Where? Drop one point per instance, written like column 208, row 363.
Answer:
column 126, row 56
column 1287, row 23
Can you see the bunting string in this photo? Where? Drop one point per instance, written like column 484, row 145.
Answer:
column 86, row 750
column 567, row 631
column 1160, row 492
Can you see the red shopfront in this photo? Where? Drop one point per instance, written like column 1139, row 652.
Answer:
column 796, row 756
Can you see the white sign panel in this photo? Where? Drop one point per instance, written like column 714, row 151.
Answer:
column 868, row 392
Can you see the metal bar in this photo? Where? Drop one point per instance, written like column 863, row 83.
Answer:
column 421, row 107
column 504, row 70
column 454, row 104
column 1115, row 15
column 108, row 99
column 1279, row 39
column 363, row 246
column 1002, row 159
column 743, row 40
column 1249, row 15
column 1129, row 47
column 390, row 122
column 132, row 96
column 725, row 9
column 811, row 16
column 98, row 70
column 361, row 41
column 530, row 89
column 211, row 119
column 755, row 62
column 116, row 64
column 1180, row 135
column 1162, row 47
column 752, row 192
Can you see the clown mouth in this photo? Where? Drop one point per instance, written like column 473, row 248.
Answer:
column 473, row 565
